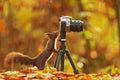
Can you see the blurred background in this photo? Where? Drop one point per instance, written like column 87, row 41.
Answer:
column 23, row 24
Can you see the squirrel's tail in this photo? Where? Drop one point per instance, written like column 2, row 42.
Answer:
column 16, row 57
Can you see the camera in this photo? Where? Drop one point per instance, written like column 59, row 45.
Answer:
column 68, row 25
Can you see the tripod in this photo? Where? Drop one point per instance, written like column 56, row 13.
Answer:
column 63, row 51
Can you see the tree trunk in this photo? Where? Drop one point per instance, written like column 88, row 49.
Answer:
column 117, row 9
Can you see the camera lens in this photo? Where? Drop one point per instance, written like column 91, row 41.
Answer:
column 76, row 25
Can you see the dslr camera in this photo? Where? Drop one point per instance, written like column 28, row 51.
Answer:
column 68, row 25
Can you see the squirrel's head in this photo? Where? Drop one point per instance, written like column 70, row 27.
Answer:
column 52, row 35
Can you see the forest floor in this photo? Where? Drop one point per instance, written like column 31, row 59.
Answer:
column 32, row 73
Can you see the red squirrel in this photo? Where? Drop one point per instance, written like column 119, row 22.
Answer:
column 39, row 60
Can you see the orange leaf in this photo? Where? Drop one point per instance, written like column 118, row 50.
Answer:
column 2, row 25
column 1, row 7
column 43, row 2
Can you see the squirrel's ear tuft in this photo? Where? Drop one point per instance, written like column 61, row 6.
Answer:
column 48, row 34
column 52, row 35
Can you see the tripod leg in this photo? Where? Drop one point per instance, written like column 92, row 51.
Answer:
column 71, row 61
column 60, row 54
column 62, row 62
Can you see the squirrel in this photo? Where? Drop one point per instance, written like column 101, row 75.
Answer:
column 39, row 60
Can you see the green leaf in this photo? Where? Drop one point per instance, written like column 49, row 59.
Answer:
column 87, row 34
column 5, row 9
column 27, row 28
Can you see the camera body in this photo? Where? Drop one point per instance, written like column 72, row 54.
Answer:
column 70, row 25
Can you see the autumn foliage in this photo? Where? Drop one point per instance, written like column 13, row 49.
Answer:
column 51, row 74
column 23, row 24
